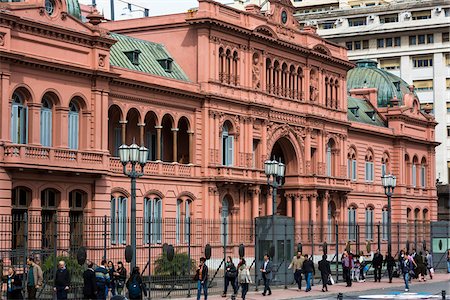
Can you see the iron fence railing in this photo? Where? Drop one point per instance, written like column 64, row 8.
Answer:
column 49, row 237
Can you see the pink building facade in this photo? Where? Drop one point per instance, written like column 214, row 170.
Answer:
column 228, row 90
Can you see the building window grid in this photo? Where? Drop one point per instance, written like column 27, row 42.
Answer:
column 357, row 22
column 369, row 171
column 118, row 220
column 422, row 62
column 369, row 224
column 152, row 220
column 352, row 223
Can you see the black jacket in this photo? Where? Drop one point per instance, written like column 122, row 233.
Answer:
column 324, row 267
column 138, row 279
column 231, row 270
column 62, row 278
column 90, row 287
column 308, row 267
column 121, row 278
column 389, row 261
column 204, row 273
column 14, row 287
column 377, row 260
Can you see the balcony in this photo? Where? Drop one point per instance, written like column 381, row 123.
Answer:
column 157, row 168
column 38, row 157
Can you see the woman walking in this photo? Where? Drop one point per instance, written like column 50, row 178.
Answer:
column 120, row 276
column 112, row 283
column 429, row 263
column 135, row 285
column 244, row 277
column 325, row 272
column 14, row 285
column 407, row 268
column 230, row 276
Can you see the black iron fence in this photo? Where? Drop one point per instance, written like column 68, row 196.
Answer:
column 50, row 237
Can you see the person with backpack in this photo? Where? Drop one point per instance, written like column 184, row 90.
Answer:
column 230, row 276
column 102, row 280
column 135, row 286
column 407, row 268
column 120, row 276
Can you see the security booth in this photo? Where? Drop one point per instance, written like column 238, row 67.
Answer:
column 278, row 242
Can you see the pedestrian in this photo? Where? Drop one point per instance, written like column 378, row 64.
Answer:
column 135, row 286
column 412, row 273
column 62, row 281
column 1, row 276
column 13, row 285
column 35, row 278
column 120, row 276
column 325, row 272
column 377, row 263
column 112, row 283
column 407, row 268
column 308, row 268
column 244, row 277
column 266, row 272
column 296, row 266
column 362, row 267
column 102, row 280
column 90, row 286
column 201, row 276
column 346, row 265
column 356, row 269
column 230, row 276
column 389, row 262
column 448, row 261
column 429, row 263
column 421, row 267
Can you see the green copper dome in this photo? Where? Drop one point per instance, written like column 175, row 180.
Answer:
column 366, row 74
column 73, row 8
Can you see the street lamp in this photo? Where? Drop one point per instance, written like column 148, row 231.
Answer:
column 274, row 171
column 133, row 154
column 389, row 181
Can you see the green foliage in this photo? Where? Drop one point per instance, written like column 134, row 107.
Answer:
column 180, row 265
column 368, row 247
column 75, row 270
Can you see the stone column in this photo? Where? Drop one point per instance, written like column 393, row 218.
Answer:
column 191, row 146
column 175, row 144
column 289, row 205
column 158, row 142
column 309, row 167
column 141, row 133
column 297, row 209
column 304, row 216
column 255, row 191
column 269, row 202
column 123, row 126
column 313, row 207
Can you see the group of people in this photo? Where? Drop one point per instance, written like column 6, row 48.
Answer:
column 303, row 265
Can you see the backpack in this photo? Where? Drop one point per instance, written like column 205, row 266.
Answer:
column 134, row 290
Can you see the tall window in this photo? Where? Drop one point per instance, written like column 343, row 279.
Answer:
column 352, row 223
column 369, row 171
column 383, row 168
column 48, row 213
column 19, row 120
column 423, row 173
column 414, row 172
column 351, row 165
column 329, row 158
column 224, row 226
column 384, row 221
column 46, row 123
column 118, row 220
column 183, row 217
column 153, row 219
column 227, row 146
column 73, row 125
column 369, row 223
column 187, row 215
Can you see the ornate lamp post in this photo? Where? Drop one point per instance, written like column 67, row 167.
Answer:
column 389, row 181
column 275, row 173
column 134, row 155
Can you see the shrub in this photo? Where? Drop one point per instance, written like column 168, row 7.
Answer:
column 76, row 271
column 180, row 265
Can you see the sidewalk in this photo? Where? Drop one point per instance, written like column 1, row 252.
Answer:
column 292, row 293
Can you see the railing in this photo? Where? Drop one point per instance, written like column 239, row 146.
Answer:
column 156, row 168
column 38, row 156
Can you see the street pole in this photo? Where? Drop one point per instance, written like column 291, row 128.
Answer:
column 274, row 207
column 133, row 214
column 389, row 195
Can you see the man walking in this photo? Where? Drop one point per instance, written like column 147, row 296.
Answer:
column 325, row 272
column 296, row 265
column 266, row 271
column 62, row 281
column 347, row 266
column 202, row 279
column 429, row 262
column 308, row 268
column 34, row 278
column 389, row 261
column 102, row 280
column 90, row 286
column 377, row 265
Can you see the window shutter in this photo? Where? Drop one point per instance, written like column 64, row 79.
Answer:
column 46, row 127
column 159, row 220
column 124, row 220
column 178, row 221
column 23, row 114
column 230, row 152
column 73, row 130
column 414, row 175
column 113, row 221
column 354, row 170
column 422, row 176
column 383, row 169
column 146, row 222
column 14, row 124
column 187, row 216
column 349, row 168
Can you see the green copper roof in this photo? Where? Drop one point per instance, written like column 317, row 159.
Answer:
column 366, row 74
column 152, row 57
column 73, row 8
column 360, row 110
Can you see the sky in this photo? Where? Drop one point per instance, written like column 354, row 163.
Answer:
column 156, row 7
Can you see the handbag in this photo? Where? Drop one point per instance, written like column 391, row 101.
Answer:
column 330, row 280
column 432, row 270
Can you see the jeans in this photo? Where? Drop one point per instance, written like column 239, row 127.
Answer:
column 229, row 280
column 308, row 281
column 201, row 286
column 448, row 266
column 298, row 278
column 406, row 279
column 244, row 289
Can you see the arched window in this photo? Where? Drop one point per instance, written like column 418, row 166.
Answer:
column 77, row 200
column 20, row 199
column 331, row 221
column 329, row 158
column 352, row 165
column 48, row 213
column 384, row 223
column 73, row 125
column 183, row 214
column 414, row 171
column 407, row 170
column 227, row 145
column 224, row 232
column 153, row 219
column 118, row 220
column 423, row 173
column 336, row 94
column 269, row 76
column 235, row 73
column 19, row 120
column 369, row 170
column 46, row 123
column 221, row 65
column 228, row 66
column 352, row 223
column 327, row 95
column 369, row 223
column 384, row 164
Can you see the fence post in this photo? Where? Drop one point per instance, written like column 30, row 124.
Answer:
column 189, row 253
column 104, row 237
column 25, row 250
column 312, row 249
column 55, row 249
column 150, row 258
column 415, row 234
column 224, row 250
column 286, row 257
column 357, row 238
column 378, row 237
column 256, row 254
column 337, row 251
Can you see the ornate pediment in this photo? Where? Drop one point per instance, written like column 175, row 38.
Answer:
column 322, row 49
column 265, row 30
